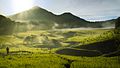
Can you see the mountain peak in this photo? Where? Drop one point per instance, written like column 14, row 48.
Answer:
column 36, row 7
column 67, row 13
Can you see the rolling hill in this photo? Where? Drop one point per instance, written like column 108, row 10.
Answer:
column 6, row 25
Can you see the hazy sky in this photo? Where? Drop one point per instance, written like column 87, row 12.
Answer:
column 87, row 9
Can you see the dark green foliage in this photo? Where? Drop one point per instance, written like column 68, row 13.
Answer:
column 117, row 23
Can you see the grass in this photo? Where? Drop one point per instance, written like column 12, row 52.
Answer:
column 57, row 61
column 93, row 62
column 92, row 38
column 32, row 61
column 97, row 62
column 27, row 56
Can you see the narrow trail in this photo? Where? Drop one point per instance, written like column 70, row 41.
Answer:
column 69, row 61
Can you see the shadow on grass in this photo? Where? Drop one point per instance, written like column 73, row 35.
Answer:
column 104, row 46
column 75, row 52
column 21, row 52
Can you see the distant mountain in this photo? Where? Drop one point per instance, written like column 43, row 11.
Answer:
column 44, row 19
column 68, row 20
column 6, row 25
column 107, row 23
column 40, row 15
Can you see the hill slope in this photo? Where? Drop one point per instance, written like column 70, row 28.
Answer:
column 6, row 25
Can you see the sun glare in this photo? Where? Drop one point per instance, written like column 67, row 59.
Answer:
column 21, row 5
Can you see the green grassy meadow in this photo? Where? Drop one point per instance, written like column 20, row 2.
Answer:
column 49, row 49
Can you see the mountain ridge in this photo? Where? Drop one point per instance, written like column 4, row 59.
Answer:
column 65, row 20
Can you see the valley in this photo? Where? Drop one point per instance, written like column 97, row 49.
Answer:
column 38, row 38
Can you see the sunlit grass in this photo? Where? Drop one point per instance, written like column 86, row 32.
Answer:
column 92, row 38
column 27, row 56
column 32, row 61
